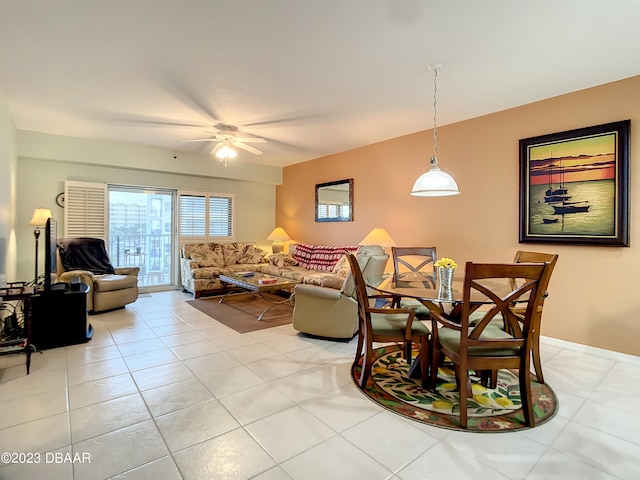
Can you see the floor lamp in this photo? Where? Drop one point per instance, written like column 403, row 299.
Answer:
column 39, row 220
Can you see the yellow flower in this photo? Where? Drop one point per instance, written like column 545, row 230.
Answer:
column 445, row 262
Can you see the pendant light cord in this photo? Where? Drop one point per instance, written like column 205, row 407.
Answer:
column 435, row 113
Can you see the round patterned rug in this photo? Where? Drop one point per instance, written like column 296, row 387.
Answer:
column 490, row 410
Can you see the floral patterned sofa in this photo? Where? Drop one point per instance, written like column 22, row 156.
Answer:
column 202, row 263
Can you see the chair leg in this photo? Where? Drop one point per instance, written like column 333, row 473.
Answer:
column 359, row 347
column 535, row 355
column 425, row 362
column 463, row 375
column 407, row 351
column 489, row 378
column 525, row 396
column 436, row 355
column 367, row 362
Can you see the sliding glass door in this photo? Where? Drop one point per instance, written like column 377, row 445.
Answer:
column 141, row 233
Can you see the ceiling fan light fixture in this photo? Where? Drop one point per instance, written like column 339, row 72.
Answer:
column 435, row 182
column 226, row 153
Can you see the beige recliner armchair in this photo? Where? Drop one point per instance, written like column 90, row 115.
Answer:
column 332, row 313
column 87, row 259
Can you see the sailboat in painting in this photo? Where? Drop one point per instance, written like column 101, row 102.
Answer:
column 559, row 194
column 558, row 197
column 570, row 207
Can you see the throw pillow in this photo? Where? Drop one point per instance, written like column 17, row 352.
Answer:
column 253, row 255
column 281, row 260
column 342, row 267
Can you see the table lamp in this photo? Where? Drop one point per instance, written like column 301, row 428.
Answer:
column 39, row 220
column 278, row 236
column 379, row 236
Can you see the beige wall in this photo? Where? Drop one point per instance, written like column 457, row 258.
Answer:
column 594, row 299
column 8, row 264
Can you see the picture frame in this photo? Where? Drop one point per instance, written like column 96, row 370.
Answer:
column 574, row 186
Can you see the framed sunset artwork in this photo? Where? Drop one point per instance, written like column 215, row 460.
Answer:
column 574, row 186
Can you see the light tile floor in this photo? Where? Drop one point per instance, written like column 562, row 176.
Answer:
column 164, row 392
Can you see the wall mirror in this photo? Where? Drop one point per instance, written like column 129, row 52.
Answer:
column 334, row 201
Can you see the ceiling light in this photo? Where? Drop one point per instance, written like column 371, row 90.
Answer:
column 226, row 153
column 435, row 183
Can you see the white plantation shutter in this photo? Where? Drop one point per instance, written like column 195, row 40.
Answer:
column 192, row 216
column 220, row 216
column 85, row 209
column 205, row 216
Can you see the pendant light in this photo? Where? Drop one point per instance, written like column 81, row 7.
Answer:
column 435, row 183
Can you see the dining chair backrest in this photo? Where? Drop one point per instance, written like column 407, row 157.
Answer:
column 371, row 260
column 537, row 257
column 360, row 290
column 414, row 264
column 526, row 292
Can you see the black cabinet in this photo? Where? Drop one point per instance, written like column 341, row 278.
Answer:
column 59, row 318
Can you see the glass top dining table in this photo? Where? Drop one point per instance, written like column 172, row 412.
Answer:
column 418, row 291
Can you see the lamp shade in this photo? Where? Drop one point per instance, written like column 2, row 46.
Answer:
column 435, row 183
column 378, row 236
column 278, row 235
column 40, row 216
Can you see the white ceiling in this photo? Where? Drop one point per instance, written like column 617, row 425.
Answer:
column 313, row 77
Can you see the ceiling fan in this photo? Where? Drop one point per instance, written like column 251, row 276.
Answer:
column 227, row 138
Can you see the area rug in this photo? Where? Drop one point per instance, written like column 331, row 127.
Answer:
column 241, row 312
column 490, row 410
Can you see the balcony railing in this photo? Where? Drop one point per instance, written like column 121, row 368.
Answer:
column 151, row 253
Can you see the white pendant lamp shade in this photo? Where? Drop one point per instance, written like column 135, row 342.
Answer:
column 435, row 183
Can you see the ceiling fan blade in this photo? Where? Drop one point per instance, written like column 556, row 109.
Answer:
column 202, row 140
column 250, row 139
column 255, row 151
column 297, row 118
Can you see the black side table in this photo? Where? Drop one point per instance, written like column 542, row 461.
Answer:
column 59, row 318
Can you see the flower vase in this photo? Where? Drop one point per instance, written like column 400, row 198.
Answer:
column 445, row 280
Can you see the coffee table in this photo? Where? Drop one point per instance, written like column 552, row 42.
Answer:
column 251, row 285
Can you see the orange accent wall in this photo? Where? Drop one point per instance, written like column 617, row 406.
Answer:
column 594, row 298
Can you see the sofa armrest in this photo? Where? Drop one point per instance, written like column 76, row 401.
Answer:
column 323, row 293
column 127, row 271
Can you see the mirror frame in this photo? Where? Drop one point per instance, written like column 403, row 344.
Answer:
column 346, row 181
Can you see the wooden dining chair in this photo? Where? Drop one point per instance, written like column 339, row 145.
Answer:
column 414, row 265
column 490, row 378
column 484, row 346
column 535, row 257
column 385, row 325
